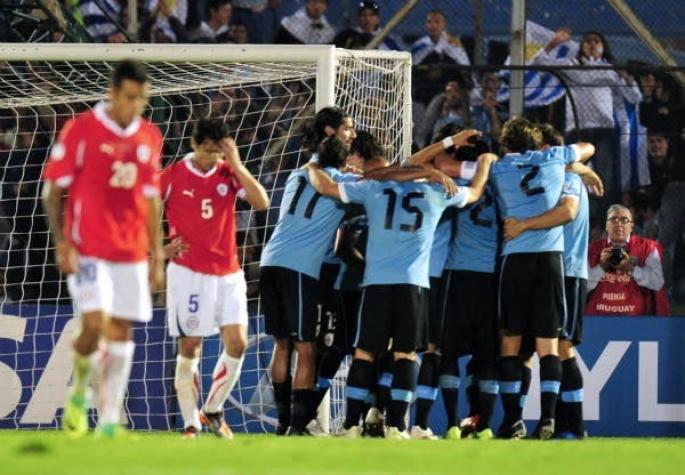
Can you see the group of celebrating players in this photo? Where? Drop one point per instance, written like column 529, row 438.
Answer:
column 457, row 252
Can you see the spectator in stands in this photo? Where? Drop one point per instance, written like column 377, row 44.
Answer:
column 661, row 163
column 662, row 104
column 595, row 92
column 626, row 275
column 240, row 33
column 369, row 26
column 216, row 28
column 259, row 17
column 101, row 23
column 436, row 47
column 672, row 236
column 166, row 22
column 308, row 25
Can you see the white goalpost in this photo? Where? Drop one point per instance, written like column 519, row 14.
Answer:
column 265, row 93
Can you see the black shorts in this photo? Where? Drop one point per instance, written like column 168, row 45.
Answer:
column 470, row 321
column 435, row 309
column 531, row 295
column 290, row 303
column 396, row 311
column 576, row 297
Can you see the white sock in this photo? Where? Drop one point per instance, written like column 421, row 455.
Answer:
column 187, row 384
column 224, row 377
column 116, row 368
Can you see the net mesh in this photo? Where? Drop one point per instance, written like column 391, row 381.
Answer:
column 266, row 105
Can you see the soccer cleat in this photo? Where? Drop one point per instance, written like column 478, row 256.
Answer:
column 299, row 432
column 544, row 430
column 515, row 431
column 115, row 432
column 190, row 432
column 216, row 424
column 485, row 434
column 281, row 429
column 315, row 429
column 397, row 434
column 453, row 433
column 374, row 424
column 353, row 432
column 422, row 434
column 75, row 418
column 468, row 426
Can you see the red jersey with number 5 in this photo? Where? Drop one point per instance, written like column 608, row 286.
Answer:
column 109, row 173
column 200, row 209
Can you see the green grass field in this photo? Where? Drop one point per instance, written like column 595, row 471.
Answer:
column 50, row 453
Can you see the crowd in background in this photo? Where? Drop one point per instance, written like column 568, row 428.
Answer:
column 443, row 93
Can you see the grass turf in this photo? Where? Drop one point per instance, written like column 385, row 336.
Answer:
column 51, row 453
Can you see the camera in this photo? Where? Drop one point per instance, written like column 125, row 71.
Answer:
column 616, row 256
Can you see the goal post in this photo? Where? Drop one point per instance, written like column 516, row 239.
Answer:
column 265, row 93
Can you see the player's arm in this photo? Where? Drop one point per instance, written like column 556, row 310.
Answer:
column 410, row 173
column 154, row 232
column 455, row 168
column 255, row 194
column 564, row 212
column 589, row 177
column 53, row 204
column 427, row 154
column 584, row 150
column 475, row 190
column 322, row 182
column 346, row 248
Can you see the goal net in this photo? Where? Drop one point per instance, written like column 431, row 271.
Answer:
column 265, row 94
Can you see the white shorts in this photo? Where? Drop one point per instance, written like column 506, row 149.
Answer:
column 200, row 304
column 119, row 289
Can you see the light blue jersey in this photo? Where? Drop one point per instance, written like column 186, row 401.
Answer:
column 306, row 225
column 477, row 243
column 577, row 232
column 402, row 221
column 444, row 236
column 530, row 184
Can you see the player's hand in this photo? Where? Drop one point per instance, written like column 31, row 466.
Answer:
column 604, row 259
column 594, row 183
column 513, row 228
column 461, row 139
column 175, row 248
column 156, row 272
column 231, row 153
column 447, row 183
column 487, row 158
column 352, row 169
column 66, row 257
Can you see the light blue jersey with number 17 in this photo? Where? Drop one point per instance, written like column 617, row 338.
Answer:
column 402, row 221
column 306, row 225
column 529, row 184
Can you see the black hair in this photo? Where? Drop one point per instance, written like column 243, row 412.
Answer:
column 437, row 11
column 520, row 135
column 462, row 153
column 216, row 4
column 367, row 146
column 131, row 70
column 315, row 130
column 212, row 129
column 550, row 135
column 332, row 152
column 606, row 52
column 368, row 5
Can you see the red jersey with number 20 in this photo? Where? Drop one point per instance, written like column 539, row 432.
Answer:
column 200, row 209
column 109, row 172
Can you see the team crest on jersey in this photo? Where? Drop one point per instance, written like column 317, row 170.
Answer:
column 106, row 148
column 143, row 153
column 222, row 189
column 193, row 322
column 58, row 152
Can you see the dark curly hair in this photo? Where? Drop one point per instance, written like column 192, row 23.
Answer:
column 520, row 135
column 332, row 152
column 367, row 146
column 315, row 130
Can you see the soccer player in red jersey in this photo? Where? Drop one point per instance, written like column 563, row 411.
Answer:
column 107, row 160
column 206, row 287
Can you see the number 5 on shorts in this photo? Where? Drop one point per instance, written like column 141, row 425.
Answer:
column 193, row 304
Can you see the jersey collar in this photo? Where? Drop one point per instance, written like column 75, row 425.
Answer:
column 189, row 164
column 100, row 111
